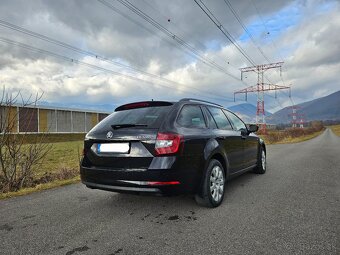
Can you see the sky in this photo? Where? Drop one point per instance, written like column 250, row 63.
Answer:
column 113, row 56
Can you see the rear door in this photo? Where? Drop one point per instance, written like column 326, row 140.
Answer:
column 229, row 138
column 250, row 142
column 126, row 138
column 192, row 125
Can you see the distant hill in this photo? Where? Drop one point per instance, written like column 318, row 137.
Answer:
column 324, row 108
column 246, row 111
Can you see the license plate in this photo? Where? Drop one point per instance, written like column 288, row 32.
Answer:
column 113, row 147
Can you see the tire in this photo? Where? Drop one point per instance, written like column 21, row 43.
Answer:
column 213, row 186
column 261, row 162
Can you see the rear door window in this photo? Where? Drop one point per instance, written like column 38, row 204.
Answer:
column 191, row 116
column 211, row 121
column 221, row 120
column 236, row 121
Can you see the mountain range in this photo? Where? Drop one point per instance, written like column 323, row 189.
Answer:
column 323, row 108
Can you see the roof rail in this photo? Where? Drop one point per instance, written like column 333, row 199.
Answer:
column 199, row 100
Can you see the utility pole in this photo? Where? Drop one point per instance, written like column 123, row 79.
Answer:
column 260, row 88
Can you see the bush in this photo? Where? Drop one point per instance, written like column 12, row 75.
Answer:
column 17, row 159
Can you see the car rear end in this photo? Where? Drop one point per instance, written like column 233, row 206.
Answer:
column 132, row 151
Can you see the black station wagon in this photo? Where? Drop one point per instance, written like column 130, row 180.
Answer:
column 190, row 146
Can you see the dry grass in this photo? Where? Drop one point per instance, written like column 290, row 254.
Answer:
column 60, row 167
column 63, row 155
column 335, row 129
column 290, row 136
column 297, row 139
column 50, row 137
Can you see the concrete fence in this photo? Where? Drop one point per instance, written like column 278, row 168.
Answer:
column 49, row 120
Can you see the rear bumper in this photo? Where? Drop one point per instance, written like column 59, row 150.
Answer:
column 136, row 180
column 120, row 188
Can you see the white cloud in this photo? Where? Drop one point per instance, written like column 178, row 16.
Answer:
column 311, row 48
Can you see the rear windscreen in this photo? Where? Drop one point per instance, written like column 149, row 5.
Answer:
column 152, row 117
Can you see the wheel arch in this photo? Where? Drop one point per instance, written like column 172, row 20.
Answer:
column 263, row 145
column 213, row 150
column 217, row 155
column 222, row 160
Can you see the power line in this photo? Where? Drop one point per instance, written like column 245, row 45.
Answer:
column 213, row 18
column 266, row 28
column 196, row 52
column 116, row 10
column 78, row 50
column 219, row 25
column 270, row 40
column 178, row 26
column 88, row 53
column 227, row 2
column 75, row 61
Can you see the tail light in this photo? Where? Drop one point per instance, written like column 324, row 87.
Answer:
column 167, row 143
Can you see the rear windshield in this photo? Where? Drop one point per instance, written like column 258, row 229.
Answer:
column 152, row 117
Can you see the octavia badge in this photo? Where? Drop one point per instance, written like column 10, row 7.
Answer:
column 109, row 135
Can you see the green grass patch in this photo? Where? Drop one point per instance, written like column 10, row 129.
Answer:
column 63, row 155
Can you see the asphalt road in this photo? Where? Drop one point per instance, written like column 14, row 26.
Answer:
column 293, row 209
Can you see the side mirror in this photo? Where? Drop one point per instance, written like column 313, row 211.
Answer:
column 244, row 132
column 252, row 128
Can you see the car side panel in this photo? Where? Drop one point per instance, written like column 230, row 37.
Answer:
column 251, row 146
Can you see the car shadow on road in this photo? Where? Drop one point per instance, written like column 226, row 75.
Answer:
column 186, row 202
column 161, row 210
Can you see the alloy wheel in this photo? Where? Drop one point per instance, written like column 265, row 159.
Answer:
column 216, row 183
column 263, row 159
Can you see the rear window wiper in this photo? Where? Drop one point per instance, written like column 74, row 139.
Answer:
column 118, row 126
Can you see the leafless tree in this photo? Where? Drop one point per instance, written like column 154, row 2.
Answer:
column 18, row 159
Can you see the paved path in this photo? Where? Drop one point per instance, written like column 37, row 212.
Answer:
column 293, row 209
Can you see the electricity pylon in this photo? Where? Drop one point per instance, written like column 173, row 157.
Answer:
column 260, row 88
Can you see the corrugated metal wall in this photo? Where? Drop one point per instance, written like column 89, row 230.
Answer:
column 28, row 120
column 78, row 121
column 9, row 118
column 3, row 113
column 52, row 120
column 64, row 123
column 102, row 116
column 43, row 121
column 94, row 119
column 33, row 120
